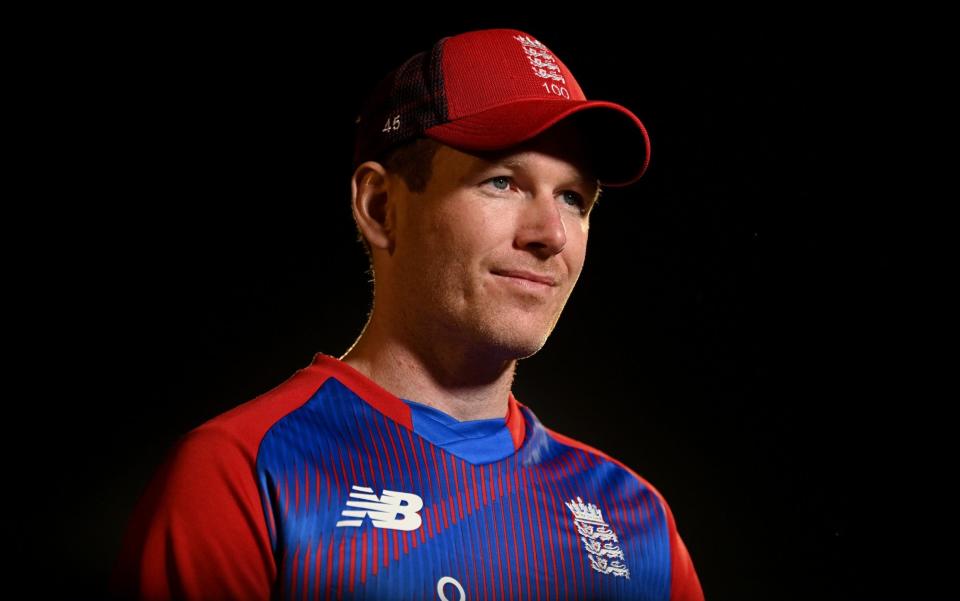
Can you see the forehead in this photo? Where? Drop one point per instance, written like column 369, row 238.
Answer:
column 563, row 141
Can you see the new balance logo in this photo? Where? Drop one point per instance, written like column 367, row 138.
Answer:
column 385, row 511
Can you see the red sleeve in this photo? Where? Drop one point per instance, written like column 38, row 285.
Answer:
column 198, row 531
column 684, row 583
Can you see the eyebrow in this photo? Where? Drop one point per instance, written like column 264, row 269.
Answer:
column 513, row 162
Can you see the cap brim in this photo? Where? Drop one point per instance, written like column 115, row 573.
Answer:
column 617, row 140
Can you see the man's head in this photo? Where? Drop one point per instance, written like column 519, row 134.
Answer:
column 491, row 248
column 476, row 167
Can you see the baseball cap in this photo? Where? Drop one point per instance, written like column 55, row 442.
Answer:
column 492, row 89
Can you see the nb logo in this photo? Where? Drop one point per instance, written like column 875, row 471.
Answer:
column 385, row 511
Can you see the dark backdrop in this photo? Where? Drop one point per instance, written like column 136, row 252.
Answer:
column 719, row 341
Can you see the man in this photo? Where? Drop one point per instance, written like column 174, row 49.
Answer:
column 406, row 469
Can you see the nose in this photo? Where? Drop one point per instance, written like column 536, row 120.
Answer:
column 541, row 228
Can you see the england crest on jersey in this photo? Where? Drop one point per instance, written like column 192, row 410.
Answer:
column 598, row 539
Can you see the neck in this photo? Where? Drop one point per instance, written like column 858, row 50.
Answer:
column 466, row 383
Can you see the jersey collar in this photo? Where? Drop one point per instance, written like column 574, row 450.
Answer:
column 396, row 409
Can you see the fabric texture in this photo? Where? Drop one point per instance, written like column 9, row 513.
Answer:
column 330, row 487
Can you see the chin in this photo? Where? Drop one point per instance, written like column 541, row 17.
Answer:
column 517, row 343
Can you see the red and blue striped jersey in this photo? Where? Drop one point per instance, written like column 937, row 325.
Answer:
column 322, row 488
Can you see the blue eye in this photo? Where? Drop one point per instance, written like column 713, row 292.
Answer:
column 577, row 199
column 502, row 178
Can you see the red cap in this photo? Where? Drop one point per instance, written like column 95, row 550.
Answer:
column 492, row 89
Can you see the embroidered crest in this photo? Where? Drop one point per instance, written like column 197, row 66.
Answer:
column 598, row 539
column 541, row 60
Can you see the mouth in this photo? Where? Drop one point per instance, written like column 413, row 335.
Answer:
column 528, row 279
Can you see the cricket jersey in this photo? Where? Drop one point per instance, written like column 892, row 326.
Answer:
column 330, row 487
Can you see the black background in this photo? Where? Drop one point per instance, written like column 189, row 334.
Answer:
column 737, row 335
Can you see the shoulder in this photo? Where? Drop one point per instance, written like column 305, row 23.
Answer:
column 684, row 581
column 602, row 457
column 241, row 428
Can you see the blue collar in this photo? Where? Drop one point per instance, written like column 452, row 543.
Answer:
column 478, row 441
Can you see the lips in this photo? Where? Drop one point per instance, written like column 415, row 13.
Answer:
column 527, row 275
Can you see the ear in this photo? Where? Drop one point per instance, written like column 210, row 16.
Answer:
column 372, row 209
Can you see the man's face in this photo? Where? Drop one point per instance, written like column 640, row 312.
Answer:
column 467, row 248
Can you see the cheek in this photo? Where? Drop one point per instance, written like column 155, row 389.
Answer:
column 576, row 250
column 440, row 255
column 467, row 232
